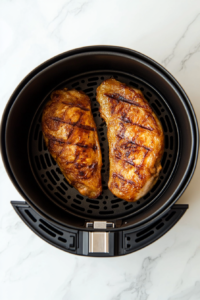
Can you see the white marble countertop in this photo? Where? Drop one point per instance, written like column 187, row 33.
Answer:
column 34, row 31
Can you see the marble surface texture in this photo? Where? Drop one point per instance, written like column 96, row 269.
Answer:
column 34, row 31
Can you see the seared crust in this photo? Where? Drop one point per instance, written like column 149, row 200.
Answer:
column 71, row 136
column 136, row 140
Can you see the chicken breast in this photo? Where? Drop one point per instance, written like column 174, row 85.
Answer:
column 71, row 136
column 135, row 137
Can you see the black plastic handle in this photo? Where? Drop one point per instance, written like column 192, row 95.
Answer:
column 77, row 242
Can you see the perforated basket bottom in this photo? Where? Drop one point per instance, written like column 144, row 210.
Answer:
column 107, row 206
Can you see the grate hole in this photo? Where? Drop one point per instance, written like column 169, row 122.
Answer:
column 105, row 188
column 170, row 216
column 95, row 110
column 163, row 124
column 77, row 201
column 80, row 197
column 105, row 207
column 102, row 78
column 44, row 145
column 156, row 109
column 135, row 85
column 55, row 175
column 158, row 103
column 164, row 158
column 67, row 183
column 89, row 211
column 30, row 215
column 40, row 141
column 94, row 206
column 60, row 190
column 47, row 230
column 37, row 163
column 159, row 226
column 128, row 238
column 171, row 143
column 64, row 186
column 149, row 94
column 146, row 196
column 62, row 240
column 68, row 197
column 92, row 201
column 93, row 79
column 148, row 99
column 50, row 178
column 78, row 88
column 166, row 167
column 100, row 129
column 50, row 187
column 42, row 162
column 90, row 94
column 78, row 207
column 110, row 212
column 141, row 89
column 115, row 206
column 125, row 203
column 129, row 206
column 58, row 171
column 166, row 142
column 51, row 227
column 128, row 245
column 61, row 197
column 36, row 132
column 88, row 90
column 92, row 84
column 168, row 123
column 116, row 200
column 40, row 118
column 102, row 133
column 52, row 160
column 47, row 160
column 138, row 202
column 75, row 84
column 155, row 186
column 144, row 236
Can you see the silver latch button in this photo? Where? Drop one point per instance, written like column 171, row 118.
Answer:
column 99, row 242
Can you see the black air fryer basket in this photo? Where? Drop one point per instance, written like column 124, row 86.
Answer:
column 107, row 226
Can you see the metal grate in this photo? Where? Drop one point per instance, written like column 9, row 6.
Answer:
column 107, row 206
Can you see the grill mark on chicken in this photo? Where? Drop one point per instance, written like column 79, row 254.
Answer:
column 118, row 97
column 76, row 105
column 85, row 127
column 132, row 142
column 94, row 147
column 127, row 161
column 126, row 120
column 122, row 178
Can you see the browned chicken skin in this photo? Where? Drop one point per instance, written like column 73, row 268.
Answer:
column 135, row 137
column 71, row 136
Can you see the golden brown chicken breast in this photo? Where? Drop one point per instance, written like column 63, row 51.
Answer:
column 135, row 137
column 71, row 136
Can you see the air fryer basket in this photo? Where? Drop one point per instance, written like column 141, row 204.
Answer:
column 38, row 177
